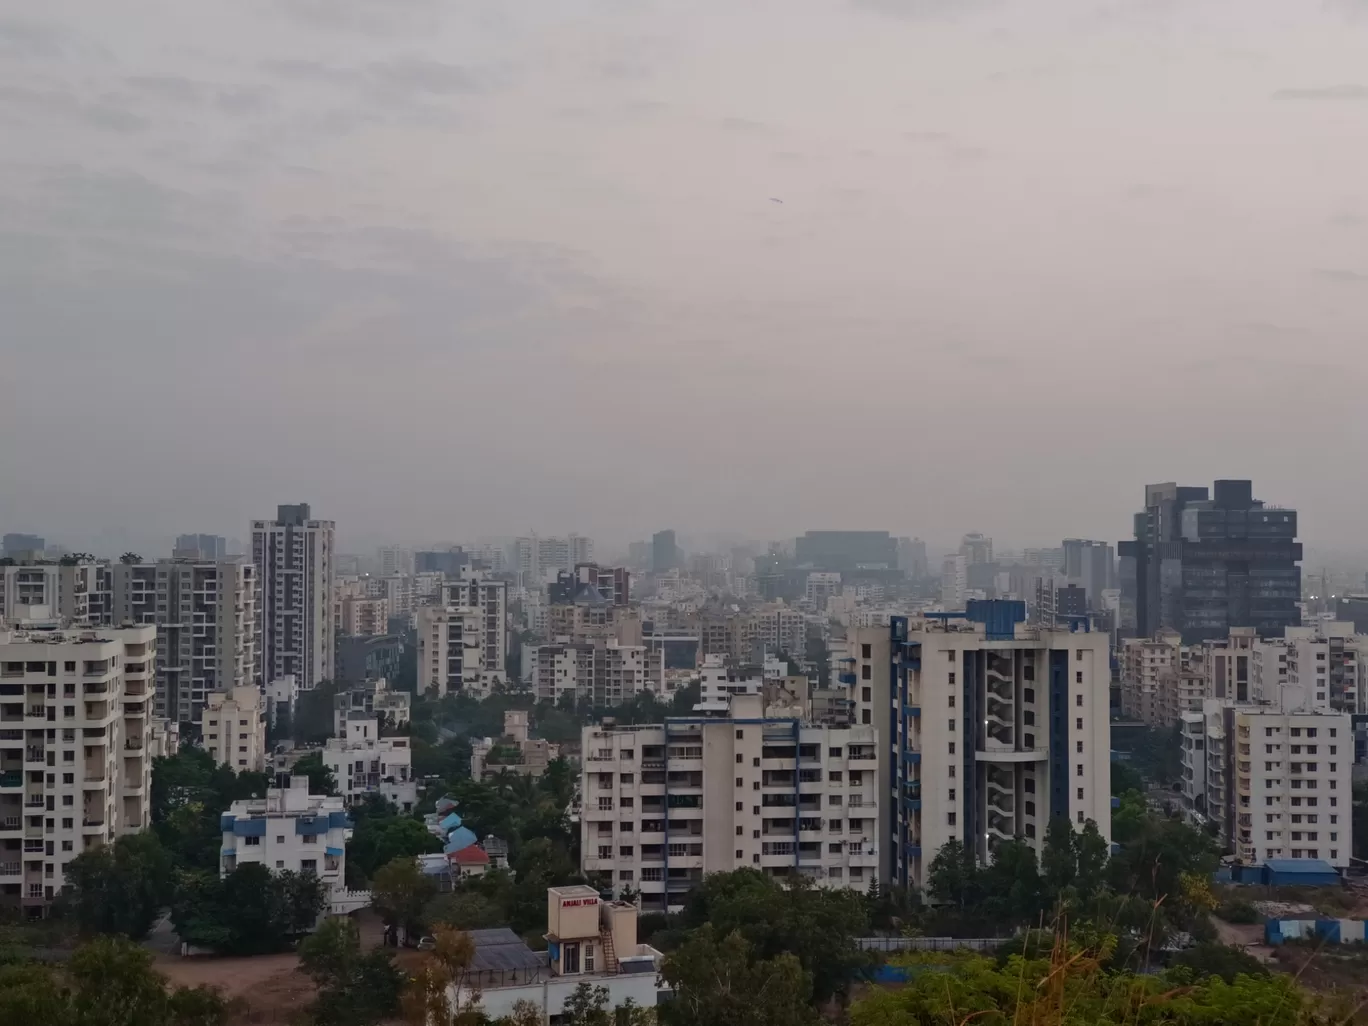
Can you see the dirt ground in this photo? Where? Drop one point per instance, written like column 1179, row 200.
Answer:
column 265, row 989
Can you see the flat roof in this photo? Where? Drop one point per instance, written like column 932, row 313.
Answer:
column 574, row 891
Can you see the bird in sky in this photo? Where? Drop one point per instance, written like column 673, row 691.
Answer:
column 775, row 200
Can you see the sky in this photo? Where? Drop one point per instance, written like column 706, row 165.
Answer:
column 460, row 270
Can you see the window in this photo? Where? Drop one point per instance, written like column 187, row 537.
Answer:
column 952, row 748
column 1080, row 770
column 740, row 735
column 1078, row 699
column 740, row 854
column 866, row 673
column 1080, row 794
column 605, row 851
column 308, row 865
column 952, row 725
column 280, row 838
column 866, row 651
column 66, row 846
column 1079, row 723
column 1028, row 695
column 950, row 700
column 952, row 794
column 626, row 828
column 950, row 772
column 627, row 778
column 866, row 695
column 605, row 803
column 251, row 842
column 740, row 832
column 627, row 803
column 865, row 717
column 834, row 799
column 739, row 806
column 1080, row 815
column 755, row 786
column 624, row 874
column 68, row 778
column 1078, row 677
column 740, row 760
column 625, row 851
column 950, row 818
column 755, row 763
column 740, row 782
column 1080, row 747
column 952, row 677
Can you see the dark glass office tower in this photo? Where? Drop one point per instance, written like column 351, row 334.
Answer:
column 1202, row 563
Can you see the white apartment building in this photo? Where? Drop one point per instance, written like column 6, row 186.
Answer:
column 540, row 559
column 290, row 830
column 993, row 728
column 598, row 673
column 281, row 696
column 820, row 587
column 665, row 804
column 362, row 762
column 451, row 650
column 233, row 728
column 208, row 630
column 1277, row 783
column 294, row 558
column 76, row 592
column 489, row 598
column 75, row 773
column 396, row 590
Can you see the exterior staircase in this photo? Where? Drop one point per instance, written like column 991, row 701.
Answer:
column 610, row 962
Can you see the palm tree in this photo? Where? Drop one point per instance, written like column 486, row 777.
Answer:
column 129, row 558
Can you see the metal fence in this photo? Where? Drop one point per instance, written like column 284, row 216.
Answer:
column 894, row 944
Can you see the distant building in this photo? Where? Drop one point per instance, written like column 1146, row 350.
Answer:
column 364, row 617
column 976, row 549
column 367, row 658
column 1091, row 565
column 209, row 547
column 17, row 545
column 912, row 558
column 233, row 728
column 488, row 598
column 394, row 560
column 372, row 698
column 363, row 763
column 281, row 695
column 451, row 654
column 441, row 561
column 75, row 593
column 1202, row 565
column 848, row 552
column 664, row 551
column 294, row 558
column 515, row 752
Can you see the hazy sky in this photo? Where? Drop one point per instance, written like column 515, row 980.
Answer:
column 449, row 269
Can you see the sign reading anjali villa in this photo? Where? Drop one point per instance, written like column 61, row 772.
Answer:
column 575, row 902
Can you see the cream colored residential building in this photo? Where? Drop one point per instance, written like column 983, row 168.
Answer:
column 665, row 804
column 233, row 728
column 451, row 650
column 45, row 589
column 597, row 673
column 75, row 720
column 364, row 616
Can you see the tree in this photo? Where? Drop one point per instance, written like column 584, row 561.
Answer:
column 354, row 988
column 321, row 780
column 1011, row 885
column 1091, row 853
column 120, row 888
column 441, row 992
column 1125, row 777
column 463, row 910
column 252, row 911
column 130, row 558
column 953, row 876
column 586, row 1005
column 816, row 925
column 378, row 840
column 1059, row 855
column 721, row 982
column 190, row 792
column 401, row 891
column 108, row 982
column 1128, row 818
column 1152, row 861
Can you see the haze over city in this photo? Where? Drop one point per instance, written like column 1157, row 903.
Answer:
column 450, row 271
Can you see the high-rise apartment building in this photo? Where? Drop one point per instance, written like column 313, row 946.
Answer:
column 538, row 559
column 663, row 805
column 75, row 771
column 489, row 598
column 996, row 728
column 1090, row 565
column 395, row 560
column 1273, row 782
column 599, row 673
column 208, row 629
column 1202, row 564
column 294, row 558
column 451, row 655
column 976, row 548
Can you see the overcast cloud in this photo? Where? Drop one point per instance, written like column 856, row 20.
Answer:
column 450, row 270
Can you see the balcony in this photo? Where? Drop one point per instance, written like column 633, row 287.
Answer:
column 12, row 778
column 133, row 744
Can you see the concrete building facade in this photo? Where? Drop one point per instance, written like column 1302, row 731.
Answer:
column 233, row 728
column 75, row 772
column 294, row 556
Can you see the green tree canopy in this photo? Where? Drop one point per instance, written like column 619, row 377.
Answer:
column 722, row 982
column 251, row 911
column 355, row 988
column 120, row 888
